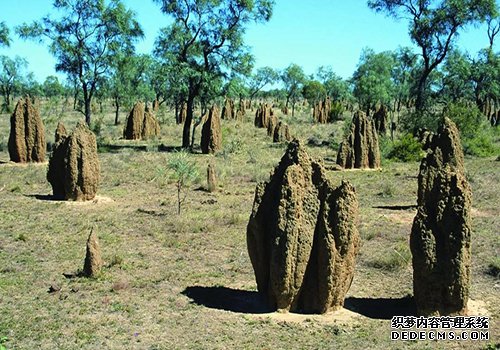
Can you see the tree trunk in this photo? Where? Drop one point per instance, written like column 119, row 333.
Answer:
column 420, row 100
column 186, row 131
column 87, row 100
column 117, row 111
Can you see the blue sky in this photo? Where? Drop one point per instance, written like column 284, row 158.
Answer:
column 309, row 33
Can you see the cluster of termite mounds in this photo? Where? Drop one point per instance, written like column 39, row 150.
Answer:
column 321, row 111
column 360, row 148
column 441, row 233
column 27, row 135
column 302, row 237
column 74, row 165
column 303, row 241
column 141, row 123
column 276, row 129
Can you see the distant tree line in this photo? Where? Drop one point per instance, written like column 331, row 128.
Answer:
column 201, row 58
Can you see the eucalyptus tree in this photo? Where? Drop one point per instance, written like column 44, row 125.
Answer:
column 4, row 35
column 11, row 77
column 433, row 27
column 205, row 43
column 372, row 79
column 85, row 39
column 293, row 78
column 262, row 77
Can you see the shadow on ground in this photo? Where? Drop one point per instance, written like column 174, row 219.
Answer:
column 396, row 207
column 44, row 197
column 228, row 299
column 381, row 308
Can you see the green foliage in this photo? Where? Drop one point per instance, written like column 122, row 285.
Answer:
column 262, row 77
column 411, row 122
column 3, row 340
column 85, row 40
column 293, row 78
column 51, row 87
column 457, row 79
column 395, row 259
column 373, row 79
column 467, row 118
column 406, row 149
column 313, row 91
column 337, row 88
column 434, row 28
column 204, row 44
column 183, row 171
column 11, row 78
column 336, row 111
column 475, row 133
column 4, row 35
column 480, row 145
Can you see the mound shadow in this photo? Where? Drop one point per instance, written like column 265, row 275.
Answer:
column 228, row 299
column 44, row 197
column 382, row 308
column 396, row 207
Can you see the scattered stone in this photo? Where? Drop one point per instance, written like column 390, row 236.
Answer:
column 211, row 178
column 74, row 166
column 281, row 133
column 93, row 261
column 441, row 233
column 211, row 132
column 302, row 237
column 141, row 124
column 360, row 148
column 27, row 136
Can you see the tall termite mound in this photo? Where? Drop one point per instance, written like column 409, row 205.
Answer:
column 360, row 148
column 27, row 136
column 211, row 132
column 321, row 111
column 263, row 115
column 141, row 124
column 302, row 237
column 441, row 233
column 74, row 165
column 228, row 112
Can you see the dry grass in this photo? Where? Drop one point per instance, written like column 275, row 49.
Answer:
column 186, row 281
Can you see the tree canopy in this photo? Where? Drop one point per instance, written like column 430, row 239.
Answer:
column 85, row 39
column 4, row 35
column 434, row 26
column 205, row 43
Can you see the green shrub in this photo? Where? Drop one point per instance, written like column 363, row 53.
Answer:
column 411, row 122
column 475, row 132
column 468, row 119
column 336, row 111
column 406, row 149
column 480, row 146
